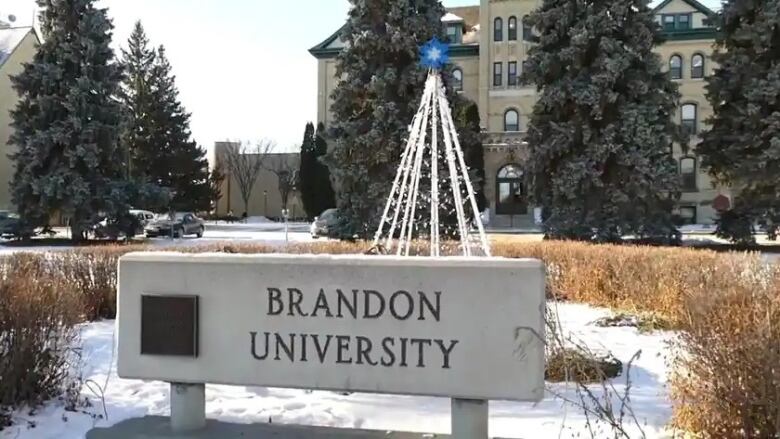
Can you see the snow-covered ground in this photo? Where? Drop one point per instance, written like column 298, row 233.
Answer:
column 551, row 418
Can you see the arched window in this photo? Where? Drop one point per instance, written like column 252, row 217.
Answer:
column 511, row 121
column 527, row 31
column 675, row 67
column 688, row 118
column 697, row 66
column 512, row 25
column 498, row 29
column 510, row 191
column 688, row 174
column 457, row 79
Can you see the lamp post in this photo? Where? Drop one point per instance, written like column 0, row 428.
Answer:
column 285, row 214
column 265, row 203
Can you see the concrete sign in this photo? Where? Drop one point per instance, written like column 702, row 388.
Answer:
column 467, row 328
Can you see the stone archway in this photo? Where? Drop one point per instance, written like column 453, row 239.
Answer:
column 511, row 196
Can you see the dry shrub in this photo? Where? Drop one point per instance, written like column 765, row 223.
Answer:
column 38, row 340
column 580, row 365
column 727, row 369
column 636, row 279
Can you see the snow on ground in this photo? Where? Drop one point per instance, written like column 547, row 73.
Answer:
column 551, row 418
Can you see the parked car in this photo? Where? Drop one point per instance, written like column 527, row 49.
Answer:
column 324, row 225
column 144, row 216
column 176, row 225
column 10, row 224
column 128, row 226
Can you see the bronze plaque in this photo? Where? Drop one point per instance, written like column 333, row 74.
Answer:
column 169, row 325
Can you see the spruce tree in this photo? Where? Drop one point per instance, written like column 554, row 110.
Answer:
column 466, row 115
column 174, row 161
column 600, row 162
column 742, row 147
column 66, row 124
column 138, row 141
column 314, row 178
column 375, row 102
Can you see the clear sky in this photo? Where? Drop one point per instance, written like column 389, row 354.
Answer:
column 242, row 66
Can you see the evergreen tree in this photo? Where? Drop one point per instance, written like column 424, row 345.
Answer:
column 467, row 119
column 742, row 147
column 600, row 162
column 314, row 178
column 173, row 160
column 375, row 102
column 216, row 179
column 138, row 131
column 66, row 124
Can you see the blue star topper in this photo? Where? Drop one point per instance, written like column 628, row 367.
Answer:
column 434, row 54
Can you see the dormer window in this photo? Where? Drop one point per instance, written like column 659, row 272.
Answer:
column 454, row 34
column 673, row 22
column 669, row 22
column 683, row 21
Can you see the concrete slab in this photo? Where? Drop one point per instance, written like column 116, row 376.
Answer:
column 158, row 427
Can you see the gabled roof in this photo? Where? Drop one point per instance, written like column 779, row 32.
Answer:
column 323, row 49
column 10, row 38
column 692, row 3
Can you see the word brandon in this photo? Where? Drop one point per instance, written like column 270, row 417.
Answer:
column 354, row 349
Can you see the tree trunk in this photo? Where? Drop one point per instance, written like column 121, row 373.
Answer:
column 76, row 232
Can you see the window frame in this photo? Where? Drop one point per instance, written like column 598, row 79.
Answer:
column 698, row 72
column 678, row 22
column 517, row 123
column 457, row 38
column 498, row 74
column 457, row 83
column 676, row 73
column 695, row 121
column 498, row 29
column 511, row 78
column 689, row 181
column 665, row 24
column 512, row 28
column 528, row 32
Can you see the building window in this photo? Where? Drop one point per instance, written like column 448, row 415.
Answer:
column 457, row 79
column 688, row 118
column 512, row 25
column 697, row 66
column 688, row 174
column 498, row 29
column 675, row 67
column 512, row 74
column 527, row 32
column 510, row 193
column 511, row 121
column 498, row 74
column 669, row 22
column 683, row 22
column 685, row 215
column 454, row 34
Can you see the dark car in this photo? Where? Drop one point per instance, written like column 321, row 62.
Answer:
column 176, row 225
column 324, row 225
column 10, row 224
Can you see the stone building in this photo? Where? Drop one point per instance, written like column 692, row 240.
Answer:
column 17, row 46
column 488, row 45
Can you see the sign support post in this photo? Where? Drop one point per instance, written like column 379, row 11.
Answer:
column 469, row 418
column 188, row 407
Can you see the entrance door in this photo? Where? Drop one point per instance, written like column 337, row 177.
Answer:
column 511, row 198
